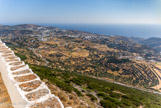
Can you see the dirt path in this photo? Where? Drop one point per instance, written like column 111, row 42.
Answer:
column 5, row 101
column 38, row 55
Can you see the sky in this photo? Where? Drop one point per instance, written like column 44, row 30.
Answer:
column 80, row 11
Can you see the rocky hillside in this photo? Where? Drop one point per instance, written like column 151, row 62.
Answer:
column 62, row 58
column 115, row 57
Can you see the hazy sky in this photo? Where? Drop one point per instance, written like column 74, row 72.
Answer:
column 80, row 11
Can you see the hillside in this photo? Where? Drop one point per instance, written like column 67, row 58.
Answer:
column 84, row 91
column 114, row 57
column 152, row 42
column 81, row 91
column 88, row 58
column 67, row 60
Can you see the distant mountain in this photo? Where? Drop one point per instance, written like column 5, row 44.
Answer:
column 25, row 26
column 19, row 27
column 137, row 39
column 153, row 42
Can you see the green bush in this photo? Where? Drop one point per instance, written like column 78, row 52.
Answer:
column 78, row 81
column 92, row 97
column 108, row 104
column 115, row 95
column 117, row 61
column 77, row 92
column 22, row 57
column 92, row 85
column 102, row 94
column 64, row 86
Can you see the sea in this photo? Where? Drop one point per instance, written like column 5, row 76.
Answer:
column 129, row 30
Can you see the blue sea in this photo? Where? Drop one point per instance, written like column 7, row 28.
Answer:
column 129, row 30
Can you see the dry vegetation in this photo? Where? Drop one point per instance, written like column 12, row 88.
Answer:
column 62, row 59
column 5, row 101
column 86, row 57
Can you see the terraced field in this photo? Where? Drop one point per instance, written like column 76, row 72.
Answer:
column 89, row 58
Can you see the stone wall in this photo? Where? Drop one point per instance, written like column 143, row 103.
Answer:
column 25, row 88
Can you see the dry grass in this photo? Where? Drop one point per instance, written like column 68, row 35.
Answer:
column 116, row 73
column 103, row 48
column 71, row 99
column 83, row 53
column 5, row 101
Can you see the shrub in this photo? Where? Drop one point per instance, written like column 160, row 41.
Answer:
column 92, row 97
column 92, row 85
column 78, row 81
column 102, row 94
column 115, row 95
column 22, row 57
column 64, row 86
column 108, row 104
column 77, row 92
column 117, row 61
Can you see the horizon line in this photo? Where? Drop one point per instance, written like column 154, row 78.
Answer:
column 82, row 23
